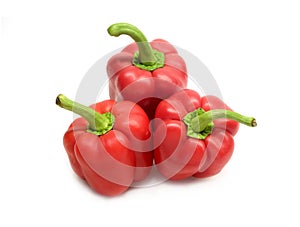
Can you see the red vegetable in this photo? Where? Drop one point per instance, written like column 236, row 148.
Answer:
column 144, row 72
column 106, row 145
column 197, row 135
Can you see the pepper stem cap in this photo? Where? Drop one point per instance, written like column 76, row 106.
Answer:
column 98, row 124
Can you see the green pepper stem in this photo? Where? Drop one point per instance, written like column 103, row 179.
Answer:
column 146, row 55
column 97, row 123
column 199, row 123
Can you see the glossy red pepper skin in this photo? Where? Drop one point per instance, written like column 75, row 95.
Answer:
column 179, row 156
column 108, row 162
column 147, row 88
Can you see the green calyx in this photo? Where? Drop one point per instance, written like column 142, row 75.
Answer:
column 101, row 129
column 98, row 124
column 200, row 123
column 159, row 63
column 146, row 58
column 189, row 120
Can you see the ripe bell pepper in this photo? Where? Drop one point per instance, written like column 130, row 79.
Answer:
column 197, row 135
column 144, row 72
column 106, row 145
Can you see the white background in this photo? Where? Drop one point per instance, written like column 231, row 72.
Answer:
column 252, row 49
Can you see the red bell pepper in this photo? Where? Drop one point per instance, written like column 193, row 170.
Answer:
column 143, row 72
column 197, row 135
column 106, row 145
